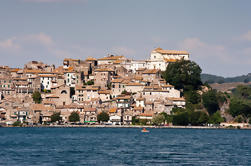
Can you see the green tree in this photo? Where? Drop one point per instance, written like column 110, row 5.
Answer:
column 239, row 107
column 168, row 118
column 178, row 110
column 239, row 119
column 103, row 117
column 135, row 120
column 74, row 117
column 192, row 97
column 124, row 92
column 17, row 123
column 210, row 101
column 204, row 118
column 37, row 97
column 216, row 118
column 55, row 117
column 143, row 121
column 181, row 119
column 198, row 118
column 158, row 119
column 183, row 74
column 90, row 82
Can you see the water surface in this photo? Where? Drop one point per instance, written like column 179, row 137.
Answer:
column 124, row 146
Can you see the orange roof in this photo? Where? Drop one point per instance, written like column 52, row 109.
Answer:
column 112, row 110
column 111, row 58
column 134, row 84
column 14, row 70
column 104, row 92
column 140, row 99
column 90, row 59
column 122, row 97
column 150, row 71
column 170, row 52
column 176, row 99
column 170, row 60
column 69, row 59
column 47, row 75
column 103, row 70
column 52, row 96
column 138, row 108
column 143, row 114
column 166, row 86
column 87, row 109
column 117, row 61
column 117, row 80
column 31, row 71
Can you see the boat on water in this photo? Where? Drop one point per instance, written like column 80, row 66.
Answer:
column 144, row 130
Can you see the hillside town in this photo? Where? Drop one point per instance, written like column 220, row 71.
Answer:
column 122, row 87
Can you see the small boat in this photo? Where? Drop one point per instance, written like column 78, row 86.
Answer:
column 144, row 130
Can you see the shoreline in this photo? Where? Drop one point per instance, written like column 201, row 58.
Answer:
column 127, row 126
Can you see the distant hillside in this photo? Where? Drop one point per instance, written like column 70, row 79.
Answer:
column 218, row 79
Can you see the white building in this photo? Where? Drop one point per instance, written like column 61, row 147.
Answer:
column 134, row 65
column 71, row 78
column 160, row 58
column 47, row 80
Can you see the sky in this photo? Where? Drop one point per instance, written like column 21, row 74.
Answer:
column 217, row 33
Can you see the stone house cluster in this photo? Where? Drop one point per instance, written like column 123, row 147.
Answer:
column 122, row 87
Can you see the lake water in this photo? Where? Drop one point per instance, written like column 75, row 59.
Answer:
column 124, row 146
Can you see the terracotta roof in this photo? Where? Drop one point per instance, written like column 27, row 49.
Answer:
column 150, row 71
column 166, row 86
column 122, row 97
column 170, row 52
column 144, row 114
column 88, row 109
column 112, row 110
column 47, row 75
column 117, row 80
column 140, row 99
column 90, row 59
column 38, row 107
column 134, row 84
column 69, row 59
column 138, row 108
column 104, row 92
column 31, row 71
column 103, row 70
column 111, row 58
column 14, row 70
column 170, row 60
column 117, row 61
column 176, row 99
column 52, row 96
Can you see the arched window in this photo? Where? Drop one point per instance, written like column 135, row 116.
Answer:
column 63, row 92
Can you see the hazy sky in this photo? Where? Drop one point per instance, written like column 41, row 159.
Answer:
column 217, row 33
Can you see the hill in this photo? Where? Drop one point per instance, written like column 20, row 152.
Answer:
column 209, row 78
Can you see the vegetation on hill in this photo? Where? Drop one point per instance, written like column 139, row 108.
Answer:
column 209, row 78
column 183, row 75
column 202, row 103
column 240, row 104
column 37, row 97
